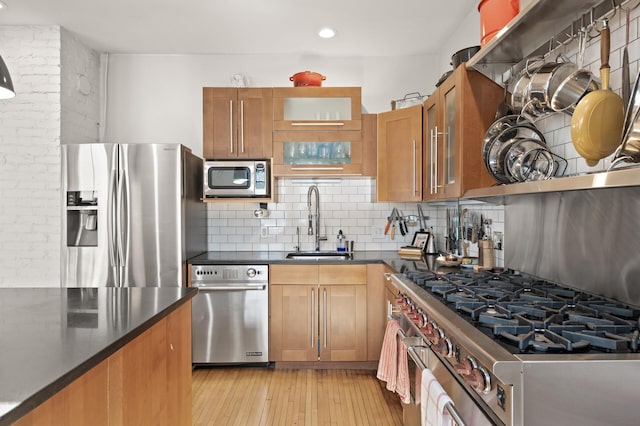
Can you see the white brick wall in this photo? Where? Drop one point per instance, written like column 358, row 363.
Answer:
column 30, row 130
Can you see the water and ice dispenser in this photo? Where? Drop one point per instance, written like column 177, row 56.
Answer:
column 82, row 219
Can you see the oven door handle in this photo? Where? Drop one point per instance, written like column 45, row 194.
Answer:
column 232, row 287
column 411, row 350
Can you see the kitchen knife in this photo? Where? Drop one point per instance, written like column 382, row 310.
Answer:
column 447, row 242
column 394, row 217
column 402, row 223
column 388, row 225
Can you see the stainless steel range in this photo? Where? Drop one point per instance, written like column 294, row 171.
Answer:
column 528, row 351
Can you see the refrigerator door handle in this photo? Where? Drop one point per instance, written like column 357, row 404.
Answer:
column 125, row 214
column 119, row 203
column 111, row 220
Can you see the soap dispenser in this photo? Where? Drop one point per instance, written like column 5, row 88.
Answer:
column 341, row 242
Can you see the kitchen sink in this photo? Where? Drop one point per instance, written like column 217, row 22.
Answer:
column 318, row 255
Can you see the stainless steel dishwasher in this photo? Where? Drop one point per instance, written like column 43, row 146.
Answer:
column 230, row 316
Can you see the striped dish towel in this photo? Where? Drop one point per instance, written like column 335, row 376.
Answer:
column 388, row 364
column 433, row 399
column 393, row 366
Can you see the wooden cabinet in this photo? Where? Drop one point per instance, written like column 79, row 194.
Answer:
column 456, row 118
column 318, row 313
column 237, row 123
column 148, row 381
column 317, row 108
column 376, row 308
column 320, row 131
column 399, row 159
column 317, row 153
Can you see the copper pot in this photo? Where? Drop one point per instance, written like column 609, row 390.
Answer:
column 307, row 78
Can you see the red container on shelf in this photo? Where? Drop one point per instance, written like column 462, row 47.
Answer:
column 494, row 15
column 307, row 78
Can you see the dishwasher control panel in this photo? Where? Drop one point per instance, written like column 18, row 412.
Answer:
column 229, row 274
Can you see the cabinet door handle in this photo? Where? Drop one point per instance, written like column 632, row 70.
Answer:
column 230, row 126
column 313, row 314
column 324, row 308
column 316, row 123
column 430, row 161
column 316, row 168
column 242, row 127
column 435, row 163
column 415, row 187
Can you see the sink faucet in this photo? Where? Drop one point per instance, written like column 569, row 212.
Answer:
column 313, row 189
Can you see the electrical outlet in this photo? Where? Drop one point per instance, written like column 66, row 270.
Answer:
column 377, row 232
column 264, row 231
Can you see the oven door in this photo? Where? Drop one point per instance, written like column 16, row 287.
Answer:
column 230, row 179
column 464, row 410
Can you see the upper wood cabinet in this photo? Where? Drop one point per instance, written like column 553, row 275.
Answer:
column 327, row 152
column 456, row 118
column 400, row 155
column 317, row 108
column 237, row 122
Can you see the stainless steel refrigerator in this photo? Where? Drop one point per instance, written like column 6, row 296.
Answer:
column 132, row 214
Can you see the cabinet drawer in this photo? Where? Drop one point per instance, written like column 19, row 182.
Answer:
column 293, row 274
column 343, row 274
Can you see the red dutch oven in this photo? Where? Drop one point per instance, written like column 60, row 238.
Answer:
column 307, row 78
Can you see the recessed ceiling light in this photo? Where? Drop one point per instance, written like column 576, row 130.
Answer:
column 2, row 5
column 326, row 33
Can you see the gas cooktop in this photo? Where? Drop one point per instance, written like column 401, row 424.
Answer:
column 528, row 315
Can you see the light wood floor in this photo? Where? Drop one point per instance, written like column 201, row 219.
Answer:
column 248, row 396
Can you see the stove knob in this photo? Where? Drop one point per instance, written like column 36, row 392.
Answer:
column 474, row 363
column 251, row 272
column 443, row 346
column 487, row 380
column 464, row 367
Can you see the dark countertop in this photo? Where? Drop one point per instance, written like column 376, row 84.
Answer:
column 256, row 257
column 390, row 258
column 51, row 336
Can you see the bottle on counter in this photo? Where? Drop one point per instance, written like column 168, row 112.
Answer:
column 340, row 244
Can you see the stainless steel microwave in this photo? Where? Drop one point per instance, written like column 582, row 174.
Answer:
column 237, row 178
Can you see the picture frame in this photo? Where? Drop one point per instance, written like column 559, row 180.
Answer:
column 420, row 240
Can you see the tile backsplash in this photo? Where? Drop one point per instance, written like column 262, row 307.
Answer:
column 346, row 204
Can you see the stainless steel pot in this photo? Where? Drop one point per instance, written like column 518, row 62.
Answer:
column 566, row 96
column 544, row 82
column 529, row 159
column 499, row 137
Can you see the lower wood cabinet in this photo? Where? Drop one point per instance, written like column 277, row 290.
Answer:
column 318, row 313
column 146, row 382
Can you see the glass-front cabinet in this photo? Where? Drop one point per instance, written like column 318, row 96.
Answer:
column 317, row 153
column 456, row 118
column 317, row 108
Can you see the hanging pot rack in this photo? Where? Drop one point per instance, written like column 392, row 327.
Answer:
column 533, row 33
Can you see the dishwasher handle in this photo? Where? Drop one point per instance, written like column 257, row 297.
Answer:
column 231, row 287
